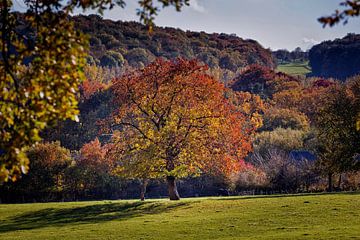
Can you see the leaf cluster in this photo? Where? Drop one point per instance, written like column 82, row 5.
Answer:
column 352, row 9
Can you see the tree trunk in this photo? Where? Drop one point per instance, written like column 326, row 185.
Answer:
column 330, row 184
column 339, row 183
column 143, row 186
column 173, row 193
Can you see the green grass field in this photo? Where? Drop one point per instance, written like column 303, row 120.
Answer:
column 323, row 216
column 295, row 69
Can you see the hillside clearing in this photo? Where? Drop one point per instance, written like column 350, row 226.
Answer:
column 295, row 69
column 323, row 216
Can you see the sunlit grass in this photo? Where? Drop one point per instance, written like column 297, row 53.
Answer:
column 295, row 69
column 335, row 216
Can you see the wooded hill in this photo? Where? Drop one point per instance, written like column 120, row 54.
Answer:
column 337, row 59
column 117, row 44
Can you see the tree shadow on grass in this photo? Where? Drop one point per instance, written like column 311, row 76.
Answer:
column 57, row 217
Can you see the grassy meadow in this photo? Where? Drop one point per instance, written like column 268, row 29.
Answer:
column 295, row 69
column 323, row 216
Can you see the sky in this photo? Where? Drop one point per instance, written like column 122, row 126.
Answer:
column 275, row 24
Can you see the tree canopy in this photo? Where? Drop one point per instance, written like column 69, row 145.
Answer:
column 336, row 122
column 175, row 121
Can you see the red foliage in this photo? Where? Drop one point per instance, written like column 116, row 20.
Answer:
column 90, row 87
column 323, row 83
column 93, row 154
column 260, row 80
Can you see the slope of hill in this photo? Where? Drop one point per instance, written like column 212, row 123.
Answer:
column 121, row 43
column 337, row 59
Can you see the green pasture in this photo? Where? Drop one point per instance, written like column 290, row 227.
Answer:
column 314, row 216
column 295, row 69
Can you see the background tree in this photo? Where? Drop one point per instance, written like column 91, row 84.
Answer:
column 283, row 172
column 91, row 176
column 263, row 81
column 275, row 117
column 336, row 123
column 284, row 139
column 175, row 121
column 46, row 180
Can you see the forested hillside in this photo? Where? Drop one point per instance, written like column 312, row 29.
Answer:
column 337, row 59
column 118, row 44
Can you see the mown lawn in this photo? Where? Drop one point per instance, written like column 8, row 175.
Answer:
column 335, row 216
column 295, row 69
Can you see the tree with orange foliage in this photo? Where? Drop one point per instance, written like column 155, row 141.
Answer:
column 307, row 100
column 92, row 172
column 176, row 121
column 94, row 154
column 263, row 81
column 97, row 79
column 48, row 164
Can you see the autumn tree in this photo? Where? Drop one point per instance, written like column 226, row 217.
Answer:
column 304, row 101
column 46, row 180
column 336, row 124
column 91, row 176
column 263, row 81
column 275, row 117
column 97, row 79
column 41, row 67
column 174, row 121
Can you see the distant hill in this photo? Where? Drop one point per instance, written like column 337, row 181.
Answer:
column 336, row 59
column 117, row 43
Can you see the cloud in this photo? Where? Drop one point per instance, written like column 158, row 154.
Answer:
column 196, row 6
column 309, row 42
